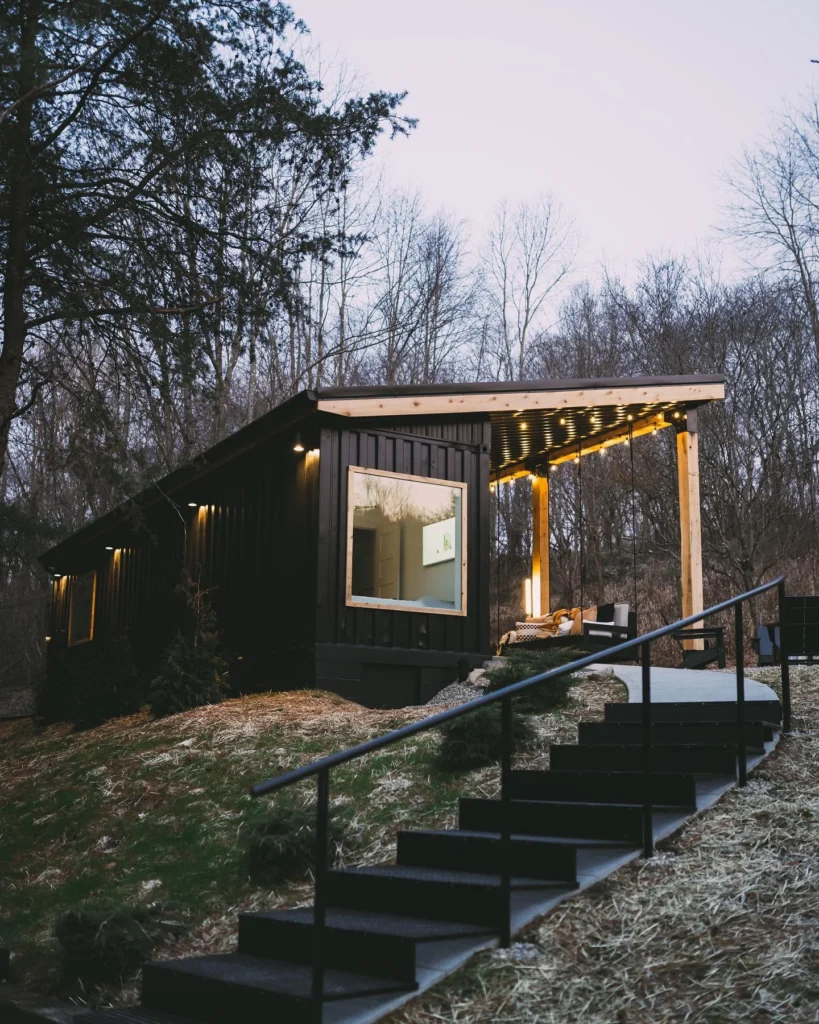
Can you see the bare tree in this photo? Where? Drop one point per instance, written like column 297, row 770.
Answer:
column 529, row 251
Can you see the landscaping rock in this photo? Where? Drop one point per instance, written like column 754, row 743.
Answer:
column 455, row 693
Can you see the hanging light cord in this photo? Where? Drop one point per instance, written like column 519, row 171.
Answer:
column 580, row 530
column 633, row 516
column 497, row 556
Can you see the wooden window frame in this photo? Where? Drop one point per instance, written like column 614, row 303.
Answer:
column 90, row 637
column 396, row 605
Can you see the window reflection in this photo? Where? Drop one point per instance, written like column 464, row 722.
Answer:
column 406, row 542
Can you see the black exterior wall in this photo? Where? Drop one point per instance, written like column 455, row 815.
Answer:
column 395, row 658
column 266, row 538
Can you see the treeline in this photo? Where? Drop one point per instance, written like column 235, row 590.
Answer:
column 203, row 237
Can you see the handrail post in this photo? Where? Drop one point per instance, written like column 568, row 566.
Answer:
column 320, row 895
column 742, row 760
column 784, row 666
column 648, row 810
column 505, row 901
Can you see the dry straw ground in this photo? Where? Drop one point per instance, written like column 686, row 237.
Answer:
column 721, row 926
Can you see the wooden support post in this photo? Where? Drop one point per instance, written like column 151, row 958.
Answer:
column 688, row 477
column 540, row 545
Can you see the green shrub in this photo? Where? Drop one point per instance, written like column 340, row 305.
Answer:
column 193, row 670
column 282, row 844
column 522, row 664
column 91, row 683
column 102, row 942
column 476, row 740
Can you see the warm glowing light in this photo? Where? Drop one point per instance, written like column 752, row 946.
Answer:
column 629, row 417
column 576, row 459
column 527, row 596
column 562, row 421
column 298, row 445
column 109, row 547
column 191, row 504
column 524, row 426
column 676, row 415
column 314, row 452
column 532, row 476
column 554, row 467
column 48, row 638
column 602, row 451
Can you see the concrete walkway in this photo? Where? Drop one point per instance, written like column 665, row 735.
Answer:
column 686, row 684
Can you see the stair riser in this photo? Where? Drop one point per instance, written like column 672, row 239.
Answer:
column 537, row 819
column 631, row 733
column 630, row 759
column 217, row 1002
column 455, row 852
column 600, row 787
column 470, row 904
column 383, row 956
column 706, row 711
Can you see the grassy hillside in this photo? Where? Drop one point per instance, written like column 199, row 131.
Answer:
column 145, row 811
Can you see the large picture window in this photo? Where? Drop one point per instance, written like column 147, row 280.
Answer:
column 81, row 608
column 405, row 542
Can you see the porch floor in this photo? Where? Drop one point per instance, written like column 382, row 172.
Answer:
column 681, row 685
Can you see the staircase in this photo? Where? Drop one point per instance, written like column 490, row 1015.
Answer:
column 395, row 929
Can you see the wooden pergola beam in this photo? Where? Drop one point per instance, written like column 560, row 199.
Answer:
column 512, row 401
column 688, row 480
column 540, row 545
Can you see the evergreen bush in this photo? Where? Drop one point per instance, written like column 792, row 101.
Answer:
column 523, row 663
column 282, row 844
column 102, row 942
column 91, row 683
column 476, row 739
column 193, row 670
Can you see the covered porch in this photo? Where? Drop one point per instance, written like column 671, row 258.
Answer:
column 584, row 419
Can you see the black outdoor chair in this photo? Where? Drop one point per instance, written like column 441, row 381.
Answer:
column 801, row 634
column 713, row 647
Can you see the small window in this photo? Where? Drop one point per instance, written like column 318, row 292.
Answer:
column 81, row 608
column 405, row 546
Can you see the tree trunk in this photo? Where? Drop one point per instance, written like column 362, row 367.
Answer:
column 14, row 271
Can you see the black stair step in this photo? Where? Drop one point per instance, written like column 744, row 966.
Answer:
column 631, row 733
column 623, row 822
column 699, row 759
column 481, row 851
column 250, row 989
column 701, row 711
column 673, row 790
column 131, row 1015
column 469, row 897
column 380, row 944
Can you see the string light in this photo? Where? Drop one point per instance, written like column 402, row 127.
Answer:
column 554, row 467
column 563, row 421
column 629, row 417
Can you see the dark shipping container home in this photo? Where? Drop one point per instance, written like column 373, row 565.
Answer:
column 344, row 536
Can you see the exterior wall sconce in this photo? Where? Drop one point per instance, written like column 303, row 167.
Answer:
column 191, row 504
column 109, row 547
column 298, row 444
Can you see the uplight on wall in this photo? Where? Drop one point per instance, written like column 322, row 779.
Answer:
column 527, row 595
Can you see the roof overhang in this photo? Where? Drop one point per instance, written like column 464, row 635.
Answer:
column 539, row 422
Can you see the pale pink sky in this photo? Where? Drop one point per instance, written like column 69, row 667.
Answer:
column 626, row 110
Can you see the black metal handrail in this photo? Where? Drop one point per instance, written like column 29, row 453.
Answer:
column 323, row 766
